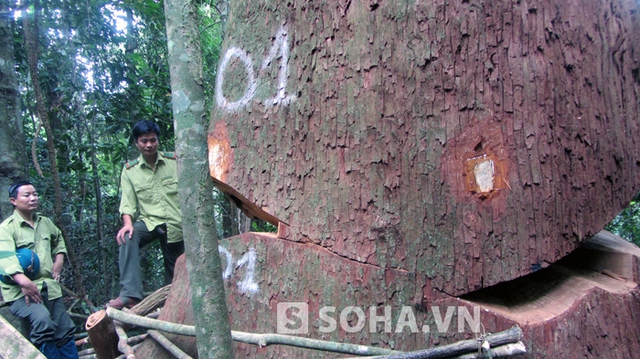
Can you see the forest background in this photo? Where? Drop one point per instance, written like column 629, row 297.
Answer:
column 101, row 67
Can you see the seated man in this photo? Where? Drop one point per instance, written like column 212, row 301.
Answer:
column 150, row 192
column 38, row 300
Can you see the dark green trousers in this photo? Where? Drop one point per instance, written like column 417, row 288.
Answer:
column 129, row 258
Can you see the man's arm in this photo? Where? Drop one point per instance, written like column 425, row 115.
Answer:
column 58, row 263
column 9, row 265
column 58, row 249
column 128, row 206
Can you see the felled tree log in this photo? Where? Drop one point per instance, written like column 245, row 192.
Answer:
column 585, row 305
column 101, row 329
column 465, row 142
column 102, row 335
column 563, row 309
column 14, row 345
column 412, row 152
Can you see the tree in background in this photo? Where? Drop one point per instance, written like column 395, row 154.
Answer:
column 12, row 155
column 102, row 66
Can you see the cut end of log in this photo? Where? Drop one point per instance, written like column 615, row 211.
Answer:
column 95, row 318
column 548, row 293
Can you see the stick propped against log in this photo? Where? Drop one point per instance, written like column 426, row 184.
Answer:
column 14, row 345
column 512, row 335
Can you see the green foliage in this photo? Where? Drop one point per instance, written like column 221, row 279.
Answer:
column 211, row 42
column 627, row 223
column 102, row 67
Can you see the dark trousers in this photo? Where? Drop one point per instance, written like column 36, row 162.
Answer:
column 129, row 258
column 49, row 320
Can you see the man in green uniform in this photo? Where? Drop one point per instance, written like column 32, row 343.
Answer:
column 39, row 300
column 150, row 210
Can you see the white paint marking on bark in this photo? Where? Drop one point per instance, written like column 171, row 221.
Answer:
column 484, row 173
column 280, row 47
column 281, row 43
column 248, row 285
column 248, row 260
column 228, row 269
column 251, row 79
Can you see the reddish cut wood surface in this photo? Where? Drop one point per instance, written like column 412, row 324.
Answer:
column 460, row 142
column 587, row 305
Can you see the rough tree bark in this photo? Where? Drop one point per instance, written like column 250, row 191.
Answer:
column 478, row 133
column 416, row 151
column 195, row 186
column 13, row 159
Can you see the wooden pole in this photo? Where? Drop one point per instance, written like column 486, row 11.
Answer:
column 251, row 338
column 131, row 341
column 123, row 344
column 506, row 350
column 167, row 344
column 14, row 345
column 511, row 335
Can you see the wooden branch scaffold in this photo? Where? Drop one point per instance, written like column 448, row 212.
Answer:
column 503, row 344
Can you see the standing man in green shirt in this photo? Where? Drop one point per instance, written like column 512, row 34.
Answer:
column 150, row 210
column 39, row 300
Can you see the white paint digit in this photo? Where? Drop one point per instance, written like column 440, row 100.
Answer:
column 251, row 79
column 228, row 270
column 281, row 43
column 248, row 260
column 248, row 284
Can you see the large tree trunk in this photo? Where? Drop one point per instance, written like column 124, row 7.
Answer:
column 477, row 133
column 13, row 159
column 433, row 148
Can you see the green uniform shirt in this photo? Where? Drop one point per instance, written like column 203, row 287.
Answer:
column 152, row 196
column 45, row 239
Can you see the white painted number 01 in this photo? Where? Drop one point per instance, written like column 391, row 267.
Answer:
column 280, row 44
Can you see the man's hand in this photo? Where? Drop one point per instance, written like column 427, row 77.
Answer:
column 122, row 233
column 29, row 289
column 58, row 263
column 127, row 228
